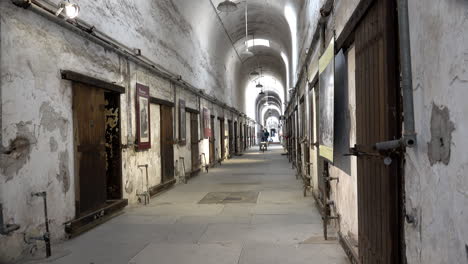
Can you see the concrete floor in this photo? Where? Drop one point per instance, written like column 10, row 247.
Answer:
column 281, row 227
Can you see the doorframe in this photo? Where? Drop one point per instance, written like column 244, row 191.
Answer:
column 81, row 224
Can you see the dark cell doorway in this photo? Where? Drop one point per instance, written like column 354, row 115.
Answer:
column 222, row 138
column 236, row 139
column 167, row 144
column 231, row 138
column 96, row 125
column 212, row 140
column 194, row 138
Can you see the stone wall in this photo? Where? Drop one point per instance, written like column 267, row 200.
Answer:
column 436, row 169
column 36, row 103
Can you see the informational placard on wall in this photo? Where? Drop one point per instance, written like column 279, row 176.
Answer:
column 326, row 102
column 143, row 117
column 206, row 123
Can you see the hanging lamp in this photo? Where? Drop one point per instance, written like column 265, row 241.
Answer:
column 247, row 51
column 254, row 73
column 227, row 6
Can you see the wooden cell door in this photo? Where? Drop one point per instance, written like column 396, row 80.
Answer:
column 236, row 141
column 212, row 141
column 377, row 120
column 222, row 138
column 89, row 136
column 246, row 136
column 167, row 144
column 194, row 142
column 231, row 138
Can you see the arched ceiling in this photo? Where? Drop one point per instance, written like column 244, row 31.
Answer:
column 267, row 19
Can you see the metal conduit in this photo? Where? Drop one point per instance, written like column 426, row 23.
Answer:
column 89, row 32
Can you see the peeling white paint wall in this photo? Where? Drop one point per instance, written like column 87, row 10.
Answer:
column 437, row 195
column 37, row 103
column 344, row 191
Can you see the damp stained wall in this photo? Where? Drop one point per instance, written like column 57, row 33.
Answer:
column 436, row 184
column 37, row 104
column 344, row 191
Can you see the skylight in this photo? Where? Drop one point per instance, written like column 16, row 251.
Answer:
column 257, row 42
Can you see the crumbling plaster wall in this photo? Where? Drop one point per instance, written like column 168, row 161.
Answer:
column 37, row 110
column 36, row 105
column 184, row 150
column 437, row 194
column 176, row 34
column 343, row 193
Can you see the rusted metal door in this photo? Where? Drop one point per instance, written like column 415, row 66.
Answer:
column 89, row 136
column 194, row 141
column 378, row 119
column 167, row 144
column 222, row 138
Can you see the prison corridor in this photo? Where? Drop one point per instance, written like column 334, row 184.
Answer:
column 249, row 209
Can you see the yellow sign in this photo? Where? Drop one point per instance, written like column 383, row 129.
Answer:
column 327, row 57
column 326, row 152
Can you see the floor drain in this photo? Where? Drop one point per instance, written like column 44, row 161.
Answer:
column 232, row 199
column 229, row 197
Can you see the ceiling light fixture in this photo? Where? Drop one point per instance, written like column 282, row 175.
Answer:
column 71, row 10
column 255, row 73
column 247, row 51
column 227, row 6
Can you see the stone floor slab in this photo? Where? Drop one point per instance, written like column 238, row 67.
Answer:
column 188, row 254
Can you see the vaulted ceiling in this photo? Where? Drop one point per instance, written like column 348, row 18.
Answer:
column 272, row 20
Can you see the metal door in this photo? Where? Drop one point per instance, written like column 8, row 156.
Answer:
column 378, row 119
column 167, row 143
column 89, row 136
column 194, row 141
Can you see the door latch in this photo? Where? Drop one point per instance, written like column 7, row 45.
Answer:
column 360, row 151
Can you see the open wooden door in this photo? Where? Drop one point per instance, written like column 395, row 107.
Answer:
column 222, row 138
column 90, row 147
column 167, row 144
column 231, row 138
column 212, row 140
column 194, row 138
column 377, row 120
column 236, row 139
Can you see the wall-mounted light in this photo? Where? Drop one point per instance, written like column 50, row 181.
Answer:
column 227, row 6
column 71, row 10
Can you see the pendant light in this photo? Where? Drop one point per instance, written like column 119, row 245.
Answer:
column 259, row 85
column 247, row 51
column 227, row 6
